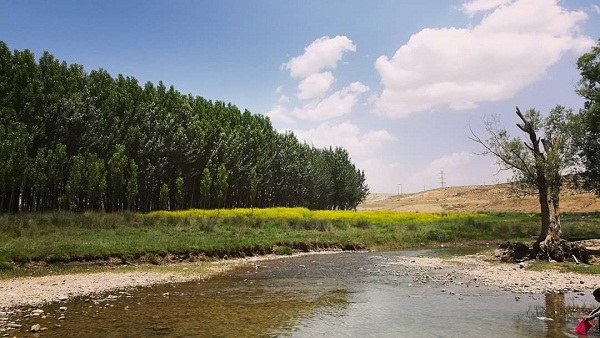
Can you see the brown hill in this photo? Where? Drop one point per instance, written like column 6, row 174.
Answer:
column 484, row 198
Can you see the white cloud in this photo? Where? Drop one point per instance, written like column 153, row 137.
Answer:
column 474, row 6
column 452, row 163
column 381, row 176
column 283, row 99
column 315, row 85
column 460, row 168
column 337, row 104
column 322, row 53
column 510, row 48
column 347, row 135
column 596, row 9
column 279, row 113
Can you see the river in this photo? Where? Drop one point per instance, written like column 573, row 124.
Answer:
column 351, row 294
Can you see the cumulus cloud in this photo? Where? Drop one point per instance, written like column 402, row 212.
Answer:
column 314, row 103
column 453, row 163
column 474, row 6
column 337, row 104
column 511, row 47
column 279, row 113
column 322, row 53
column 346, row 135
column 460, row 168
column 315, row 85
column 381, row 176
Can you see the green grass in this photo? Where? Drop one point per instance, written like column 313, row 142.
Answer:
column 61, row 237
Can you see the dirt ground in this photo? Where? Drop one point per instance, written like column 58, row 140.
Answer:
column 481, row 198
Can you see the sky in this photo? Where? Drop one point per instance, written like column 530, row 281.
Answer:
column 399, row 84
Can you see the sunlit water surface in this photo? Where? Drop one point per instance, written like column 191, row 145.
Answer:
column 341, row 295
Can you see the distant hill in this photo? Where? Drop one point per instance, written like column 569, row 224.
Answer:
column 484, row 198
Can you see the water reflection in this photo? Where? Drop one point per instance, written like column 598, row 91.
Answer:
column 214, row 308
column 559, row 314
column 344, row 295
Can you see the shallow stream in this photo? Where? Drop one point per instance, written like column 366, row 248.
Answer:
column 353, row 294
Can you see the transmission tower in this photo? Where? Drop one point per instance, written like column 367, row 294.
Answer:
column 442, row 182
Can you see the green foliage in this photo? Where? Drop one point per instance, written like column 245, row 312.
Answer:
column 221, row 186
column 164, row 197
column 117, row 165
column 179, row 192
column 205, row 185
column 132, row 186
column 283, row 250
column 589, row 89
column 82, row 141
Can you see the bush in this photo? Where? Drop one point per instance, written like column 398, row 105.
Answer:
column 283, row 250
column 5, row 264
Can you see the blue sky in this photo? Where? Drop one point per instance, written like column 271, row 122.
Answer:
column 397, row 83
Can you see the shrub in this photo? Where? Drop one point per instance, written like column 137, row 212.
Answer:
column 283, row 250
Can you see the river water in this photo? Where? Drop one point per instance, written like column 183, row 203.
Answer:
column 353, row 294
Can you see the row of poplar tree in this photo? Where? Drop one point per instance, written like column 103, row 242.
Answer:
column 73, row 140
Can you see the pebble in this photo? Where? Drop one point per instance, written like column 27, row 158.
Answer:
column 63, row 308
column 35, row 328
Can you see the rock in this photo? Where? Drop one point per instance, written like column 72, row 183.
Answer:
column 63, row 298
column 35, row 328
column 13, row 325
column 37, row 312
column 63, row 308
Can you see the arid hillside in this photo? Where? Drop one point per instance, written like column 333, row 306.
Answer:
column 484, row 198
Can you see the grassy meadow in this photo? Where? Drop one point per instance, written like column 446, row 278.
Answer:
column 61, row 237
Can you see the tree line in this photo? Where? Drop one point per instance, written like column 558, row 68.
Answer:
column 77, row 140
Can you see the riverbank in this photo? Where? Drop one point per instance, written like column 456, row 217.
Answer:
column 486, row 269
column 36, row 291
column 164, row 237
